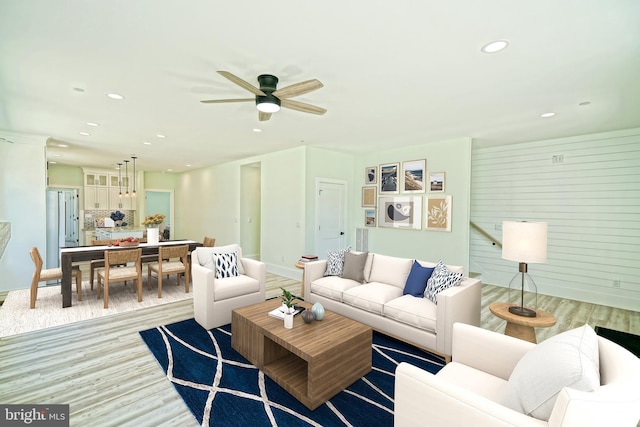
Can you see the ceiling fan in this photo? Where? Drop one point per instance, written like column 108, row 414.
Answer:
column 269, row 98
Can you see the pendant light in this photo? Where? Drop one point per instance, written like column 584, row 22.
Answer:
column 134, row 176
column 120, row 178
column 126, row 168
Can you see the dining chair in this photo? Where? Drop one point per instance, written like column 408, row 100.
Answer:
column 209, row 242
column 116, row 269
column 96, row 263
column 170, row 260
column 40, row 275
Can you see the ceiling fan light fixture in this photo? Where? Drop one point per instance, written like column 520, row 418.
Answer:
column 267, row 104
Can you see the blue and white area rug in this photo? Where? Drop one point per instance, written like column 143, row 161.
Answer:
column 222, row 388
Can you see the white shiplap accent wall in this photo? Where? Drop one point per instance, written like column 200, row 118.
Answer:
column 591, row 201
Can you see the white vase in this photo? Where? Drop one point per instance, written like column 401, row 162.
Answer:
column 152, row 236
column 288, row 320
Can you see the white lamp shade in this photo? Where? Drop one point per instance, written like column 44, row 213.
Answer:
column 524, row 241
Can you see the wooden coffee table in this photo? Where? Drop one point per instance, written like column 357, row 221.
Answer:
column 521, row 326
column 313, row 361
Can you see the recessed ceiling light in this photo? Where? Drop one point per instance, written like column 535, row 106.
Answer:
column 188, row 166
column 169, row 170
column 115, row 96
column 94, row 124
column 256, row 130
column 85, row 133
column 52, row 162
column 495, row 46
column 63, row 145
column 161, row 136
column 146, row 143
column 549, row 114
column 56, row 155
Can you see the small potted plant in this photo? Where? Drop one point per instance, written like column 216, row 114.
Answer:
column 288, row 301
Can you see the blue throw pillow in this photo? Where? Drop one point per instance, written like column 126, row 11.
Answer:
column 417, row 280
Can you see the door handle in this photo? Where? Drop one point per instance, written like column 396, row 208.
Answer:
column 342, row 233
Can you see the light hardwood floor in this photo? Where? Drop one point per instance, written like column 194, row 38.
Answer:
column 104, row 371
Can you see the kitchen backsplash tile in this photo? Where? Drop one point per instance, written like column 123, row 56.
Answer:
column 89, row 223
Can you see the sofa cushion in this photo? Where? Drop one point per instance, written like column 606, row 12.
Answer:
column 441, row 278
column 570, row 359
column 205, row 255
column 417, row 280
column 335, row 261
column 391, row 270
column 226, row 265
column 474, row 380
column 418, row 312
column 354, row 266
column 231, row 287
column 332, row 286
column 371, row 296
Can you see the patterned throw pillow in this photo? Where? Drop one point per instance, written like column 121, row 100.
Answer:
column 226, row 265
column 441, row 279
column 335, row 262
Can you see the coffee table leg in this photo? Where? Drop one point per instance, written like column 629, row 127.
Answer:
column 526, row 333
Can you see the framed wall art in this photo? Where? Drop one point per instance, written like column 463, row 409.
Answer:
column 436, row 182
column 400, row 212
column 413, row 176
column 369, row 196
column 389, row 178
column 438, row 213
column 371, row 175
column 369, row 217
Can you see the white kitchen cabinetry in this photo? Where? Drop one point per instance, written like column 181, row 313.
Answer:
column 96, row 198
column 89, row 236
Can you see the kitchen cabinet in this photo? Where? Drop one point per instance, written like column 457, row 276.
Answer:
column 95, row 179
column 96, row 198
column 89, row 236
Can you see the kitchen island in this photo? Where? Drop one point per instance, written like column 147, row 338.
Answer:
column 115, row 233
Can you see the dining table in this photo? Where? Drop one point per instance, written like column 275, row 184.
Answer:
column 69, row 255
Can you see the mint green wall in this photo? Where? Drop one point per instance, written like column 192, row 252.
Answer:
column 65, row 176
column 322, row 163
column 452, row 157
column 23, row 204
column 250, row 215
column 160, row 181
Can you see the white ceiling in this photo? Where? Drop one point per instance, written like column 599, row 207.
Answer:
column 394, row 73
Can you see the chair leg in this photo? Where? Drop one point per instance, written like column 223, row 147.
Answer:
column 91, row 271
column 98, row 288
column 33, row 294
column 159, row 285
column 148, row 277
column 79, row 285
column 106, row 293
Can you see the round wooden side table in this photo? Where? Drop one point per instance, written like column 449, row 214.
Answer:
column 521, row 326
column 300, row 265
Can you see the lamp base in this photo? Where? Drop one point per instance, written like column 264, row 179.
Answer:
column 522, row 311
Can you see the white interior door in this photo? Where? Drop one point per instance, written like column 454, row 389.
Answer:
column 331, row 214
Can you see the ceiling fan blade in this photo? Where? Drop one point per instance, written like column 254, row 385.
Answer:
column 243, row 84
column 301, row 106
column 298, row 89
column 219, row 101
column 263, row 117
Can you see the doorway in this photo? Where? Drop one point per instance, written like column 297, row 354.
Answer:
column 161, row 202
column 63, row 227
column 250, row 210
column 331, row 215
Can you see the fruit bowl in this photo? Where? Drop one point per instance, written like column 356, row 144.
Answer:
column 128, row 242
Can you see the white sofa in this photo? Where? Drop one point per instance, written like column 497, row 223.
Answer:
column 469, row 390
column 214, row 299
column 379, row 302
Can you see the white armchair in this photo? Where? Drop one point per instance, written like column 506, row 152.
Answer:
column 467, row 391
column 214, row 299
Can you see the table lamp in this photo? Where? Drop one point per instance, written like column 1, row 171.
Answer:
column 526, row 243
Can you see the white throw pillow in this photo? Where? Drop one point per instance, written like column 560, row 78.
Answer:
column 441, row 278
column 226, row 265
column 205, row 255
column 570, row 359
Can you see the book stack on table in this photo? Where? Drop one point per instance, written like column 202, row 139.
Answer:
column 308, row 258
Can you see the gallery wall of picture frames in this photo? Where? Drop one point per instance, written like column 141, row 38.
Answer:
column 391, row 196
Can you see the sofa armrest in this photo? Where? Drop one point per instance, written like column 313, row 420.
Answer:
column 312, row 271
column 420, row 395
column 457, row 304
column 256, row 270
column 477, row 348
column 203, row 281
